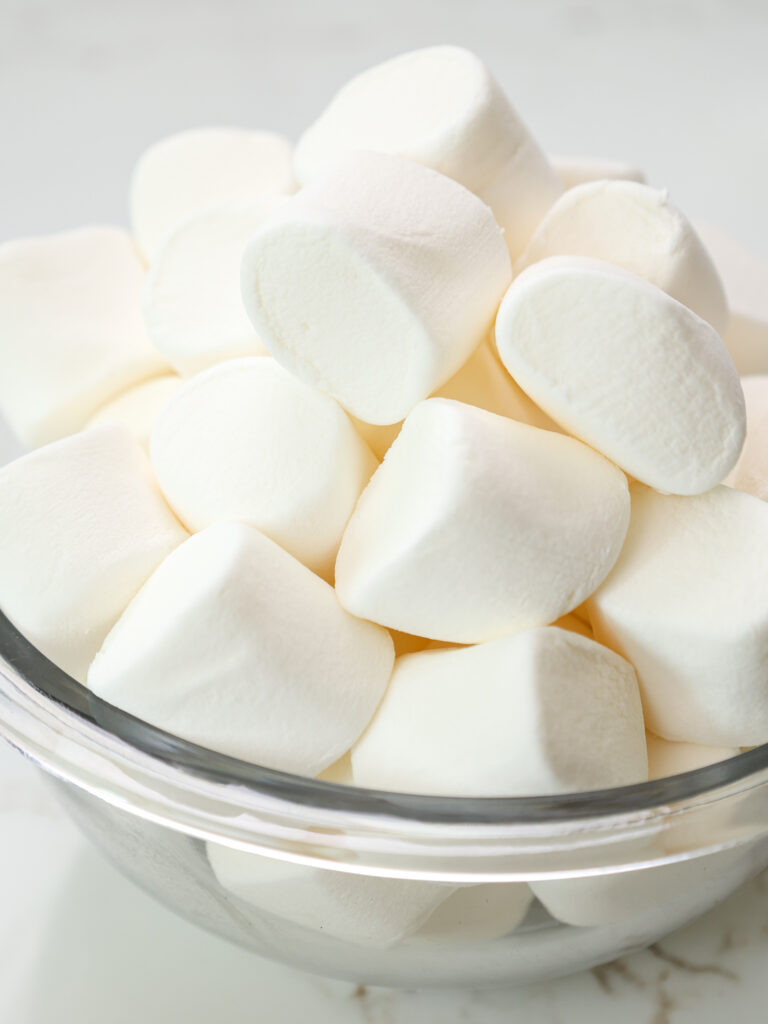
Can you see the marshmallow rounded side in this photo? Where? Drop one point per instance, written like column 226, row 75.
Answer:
column 540, row 712
column 440, row 107
column 376, row 282
column 687, row 604
column 139, row 406
column 71, row 332
column 750, row 474
column 460, row 534
column 744, row 274
column 366, row 911
column 192, row 303
column 186, row 173
column 577, row 170
column 638, row 228
column 236, row 646
column 82, row 527
column 626, row 368
column 246, row 441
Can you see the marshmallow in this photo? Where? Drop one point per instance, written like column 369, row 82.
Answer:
column 462, row 534
column 82, row 526
column 744, row 274
column 626, row 368
column 697, row 883
column 71, row 333
column 236, row 646
column 193, row 306
column 477, row 913
column 666, row 759
column 576, row 170
column 186, row 173
column 638, row 228
column 687, row 604
column 246, row 441
column 376, row 282
column 366, row 911
column 750, row 473
column 440, row 107
column 543, row 711
column 483, row 382
column 139, row 406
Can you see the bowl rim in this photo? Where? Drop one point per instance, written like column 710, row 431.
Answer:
column 28, row 664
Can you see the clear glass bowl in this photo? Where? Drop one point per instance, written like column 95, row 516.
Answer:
column 384, row 888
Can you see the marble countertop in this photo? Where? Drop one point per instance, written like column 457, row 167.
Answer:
column 675, row 86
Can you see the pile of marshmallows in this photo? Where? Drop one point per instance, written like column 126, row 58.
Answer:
column 448, row 400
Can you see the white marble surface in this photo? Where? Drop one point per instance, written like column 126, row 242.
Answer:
column 677, row 86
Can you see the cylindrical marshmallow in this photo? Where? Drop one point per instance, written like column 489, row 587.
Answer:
column 477, row 913
column 82, row 527
column 246, row 441
column 462, row 533
column 687, row 604
column 71, row 332
column 482, row 381
column 540, row 712
column 139, row 406
column 441, row 107
column 576, row 170
column 750, row 473
column 628, row 369
column 360, row 909
column 236, row 646
column 192, row 305
column 188, row 172
column 744, row 274
column 376, row 282
column 638, row 228
column 666, row 759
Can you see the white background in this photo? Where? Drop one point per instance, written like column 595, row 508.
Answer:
column 679, row 87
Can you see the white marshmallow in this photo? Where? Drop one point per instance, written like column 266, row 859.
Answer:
column 666, row 759
column 193, row 306
column 186, row 173
column 246, row 441
column 540, row 712
column 71, row 332
column 687, row 604
column 638, row 228
column 576, row 170
column 139, row 406
column 750, row 473
column 360, row 909
column 440, row 107
column 622, row 896
column 376, row 282
column 235, row 645
column 744, row 274
column 626, row 368
column 477, row 913
column 483, row 382
column 82, row 526
column 461, row 533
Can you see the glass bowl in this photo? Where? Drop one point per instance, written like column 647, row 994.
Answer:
column 383, row 888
